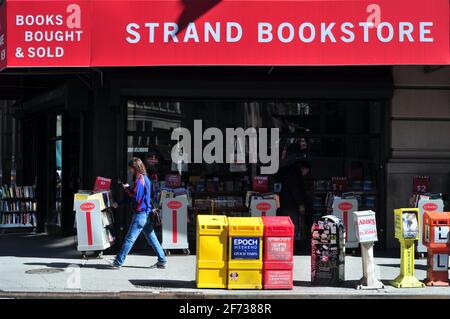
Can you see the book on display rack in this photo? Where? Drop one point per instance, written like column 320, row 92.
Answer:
column 13, row 192
column 17, row 206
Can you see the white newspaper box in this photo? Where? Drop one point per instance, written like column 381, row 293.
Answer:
column 427, row 205
column 343, row 209
column 263, row 207
column 91, row 232
column 365, row 225
column 174, row 223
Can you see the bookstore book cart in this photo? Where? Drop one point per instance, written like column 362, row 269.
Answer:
column 94, row 220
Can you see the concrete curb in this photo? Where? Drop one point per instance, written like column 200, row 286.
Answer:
column 201, row 295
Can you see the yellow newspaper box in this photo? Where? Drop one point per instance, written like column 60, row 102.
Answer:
column 245, row 252
column 212, row 240
column 407, row 226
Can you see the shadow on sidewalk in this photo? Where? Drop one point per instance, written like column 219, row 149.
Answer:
column 163, row 283
column 38, row 246
column 416, row 266
column 298, row 283
column 346, row 284
column 81, row 265
column 62, row 265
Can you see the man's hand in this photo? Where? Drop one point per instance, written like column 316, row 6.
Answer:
column 125, row 185
column 115, row 205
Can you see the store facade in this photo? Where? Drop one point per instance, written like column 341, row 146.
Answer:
column 335, row 111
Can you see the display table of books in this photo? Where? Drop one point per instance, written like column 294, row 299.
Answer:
column 94, row 220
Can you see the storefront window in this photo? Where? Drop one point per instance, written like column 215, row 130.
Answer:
column 338, row 139
column 150, row 125
column 55, row 170
column 59, row 125
column 11, row 147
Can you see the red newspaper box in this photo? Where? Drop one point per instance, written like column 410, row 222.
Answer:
column 436, row 235
column 278, row 256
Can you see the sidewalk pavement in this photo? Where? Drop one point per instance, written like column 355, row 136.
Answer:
column 38, row 266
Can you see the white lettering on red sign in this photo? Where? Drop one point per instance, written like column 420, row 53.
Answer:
column 174, row 204
column 345, row 206
column 279, row 248
column 41, row 32
column 263, row 206
column 430, row 207
column 284, row 32
column 87, row 206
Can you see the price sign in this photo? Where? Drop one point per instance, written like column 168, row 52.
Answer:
column 102, row 184
column 261, row 184
column 421, row 184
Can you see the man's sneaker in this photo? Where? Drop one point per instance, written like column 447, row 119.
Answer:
column 160, row 265
column 114, row 264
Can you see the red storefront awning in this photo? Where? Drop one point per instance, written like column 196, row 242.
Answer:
column 84, row 33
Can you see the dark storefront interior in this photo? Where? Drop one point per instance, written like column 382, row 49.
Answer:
column 334, row 118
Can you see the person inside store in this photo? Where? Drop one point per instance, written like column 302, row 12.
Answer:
column 295, row 202
column 139, row 195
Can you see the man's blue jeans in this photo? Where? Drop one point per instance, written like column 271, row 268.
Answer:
column 139, row 224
